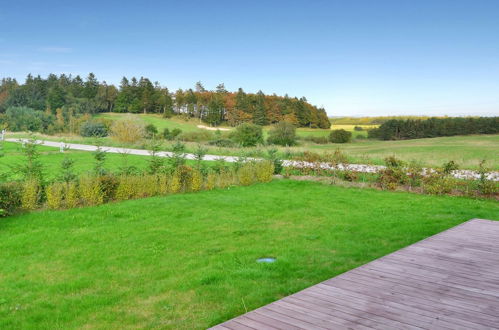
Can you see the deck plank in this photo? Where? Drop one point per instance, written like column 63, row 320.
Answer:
column 447, row 281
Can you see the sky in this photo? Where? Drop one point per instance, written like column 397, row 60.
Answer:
column 354, row 58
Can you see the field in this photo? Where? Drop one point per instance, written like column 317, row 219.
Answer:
column 158, row 121
column 51, row 158
column 467, row 151
column 191, row 125
column 189, row 261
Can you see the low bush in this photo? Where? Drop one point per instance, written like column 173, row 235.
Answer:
column 316, row 139
column 246, row 174
column 30, row 194
column 72, row 199
column 393, row 175
column 127, row 130
column 55, row 195
column 90, row 191
column 340, row 136
column 223, row 143
column 10, row 197
column 282, row 133
column 93, row 129
column 264, row 171
column 171, row 135
column 248, row 135
column 150, row 131
column 196, row 136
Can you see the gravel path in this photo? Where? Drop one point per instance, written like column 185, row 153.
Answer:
column 460, row 174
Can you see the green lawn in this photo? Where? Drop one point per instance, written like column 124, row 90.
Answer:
column 466, row 151
column 51, row 159
column 188, row 261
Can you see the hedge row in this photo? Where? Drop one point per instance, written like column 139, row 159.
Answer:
column 91, row 190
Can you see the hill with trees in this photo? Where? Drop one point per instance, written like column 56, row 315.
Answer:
column 57, row 100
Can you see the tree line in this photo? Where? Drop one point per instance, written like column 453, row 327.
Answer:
column 73, row 96
column 435, row 127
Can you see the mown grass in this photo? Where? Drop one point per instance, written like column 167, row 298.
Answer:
column 51, row 159
column 188, row 261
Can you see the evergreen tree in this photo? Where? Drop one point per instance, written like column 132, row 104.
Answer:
column 259, row 116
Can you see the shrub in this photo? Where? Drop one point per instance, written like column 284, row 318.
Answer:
column 175, row 181
column 125, row 189
column 55, row 195
column 127, row 130
column 67, row 172
column 155, row 163
column 10, row 197
column 90, row 191
column 225, row 178
column 150, row 131
column 246, row 174
column 184, row 174
column 223, row 143
column 177, row 156
column 358, row 128
column 26, row 119
column 93, row 129
column 210, row 182
column 171, row 135
column 100, row 160
column 30, row 194
column 163, row 184
column 196, row 136
column 316, row 139
column 32, row 168
column 393, row 175
column 282, row 133
column 196, row 180
column 485, row 186
column 72, row 198
column 340, row 136
column 108, row 185
column 264, row 171
column 277, row 162
column 146, row 186
column 248, row 135
column 438, row 184
column 449, row 167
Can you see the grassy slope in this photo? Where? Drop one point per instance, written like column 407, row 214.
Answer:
column 467, row 151
column 157, row 120
column 191, row 125
column 188, row 261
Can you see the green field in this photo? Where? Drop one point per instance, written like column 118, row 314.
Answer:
column 191, row 125
column 157, row 120
column 466, row 151
column 189, row 261
column 51, row 159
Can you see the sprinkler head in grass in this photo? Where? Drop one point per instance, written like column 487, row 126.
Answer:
column 266, row 260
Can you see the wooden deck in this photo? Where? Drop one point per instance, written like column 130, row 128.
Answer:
column 447, row 281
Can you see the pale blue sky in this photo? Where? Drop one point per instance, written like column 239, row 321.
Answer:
column 352, row 57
